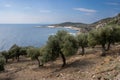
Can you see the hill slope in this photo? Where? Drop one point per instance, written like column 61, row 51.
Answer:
column 71, row 24
column 88, row 67
column 111, row 20
column 88, row 27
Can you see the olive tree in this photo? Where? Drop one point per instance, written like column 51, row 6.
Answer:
column 70, row 46
column 82, row 40
column 99, row 37
column 15, row 51
column 60, row 44
column 6, row 55
column 34, row 53
column 113, row 35
column 104, row 36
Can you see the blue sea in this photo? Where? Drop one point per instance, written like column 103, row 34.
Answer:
column 26, row 35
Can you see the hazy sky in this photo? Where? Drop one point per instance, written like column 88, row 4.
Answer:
column 56, row 11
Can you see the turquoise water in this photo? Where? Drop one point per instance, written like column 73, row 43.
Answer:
column 25, row 35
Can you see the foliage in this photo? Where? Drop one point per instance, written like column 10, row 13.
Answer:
column 104, row 36
column 6, row 55
column 60, row 44
column 70, row 46
column 15, row 51
column 34, row 53
column 92, row 36
column 82, row 40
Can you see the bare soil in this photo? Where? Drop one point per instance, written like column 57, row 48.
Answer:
column 91, row 66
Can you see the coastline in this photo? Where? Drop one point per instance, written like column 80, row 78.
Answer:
column 68, row 27
column 78, row 30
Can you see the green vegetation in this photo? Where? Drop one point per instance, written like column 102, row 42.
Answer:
column 34, row 53
column 82, row 40
column 14, row 52
column 79, row 25
column 6, row 55
column 104, row 36
column 62, row 44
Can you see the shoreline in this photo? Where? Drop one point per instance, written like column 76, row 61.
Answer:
column 68, row 27
column 78, row 30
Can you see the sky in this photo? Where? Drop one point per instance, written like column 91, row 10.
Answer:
column 56, row 11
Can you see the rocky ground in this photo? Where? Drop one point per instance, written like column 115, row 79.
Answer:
column 88, row 67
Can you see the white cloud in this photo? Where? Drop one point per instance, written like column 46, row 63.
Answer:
column 85, row 10
column 113, row 3
column 45, row 11
column 7, row 5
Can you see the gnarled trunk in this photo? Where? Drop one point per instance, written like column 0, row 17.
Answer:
column 6, row 60
column 39, row 62
column 63, row 59
column 83, row 51
column 18, row 58
column 108, row 46
column 103, row 50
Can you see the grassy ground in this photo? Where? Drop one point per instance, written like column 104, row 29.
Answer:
column 88, row 67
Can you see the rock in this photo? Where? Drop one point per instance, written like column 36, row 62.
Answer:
column 99, row 77
column 107, row 59
column 57, row 75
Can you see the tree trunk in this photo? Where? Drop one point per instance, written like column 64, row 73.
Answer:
column 108, row 46
column 83, row 51
column 17, row 58
column 63, row 59
column 6, row 60
column 38, row 62
column 103, row 51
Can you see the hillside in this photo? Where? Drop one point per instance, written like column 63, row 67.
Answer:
column 88, row 67
column 88, row 27
column 71, row 24
column 110, row 20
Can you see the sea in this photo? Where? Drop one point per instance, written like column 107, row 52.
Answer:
column 26, row 34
